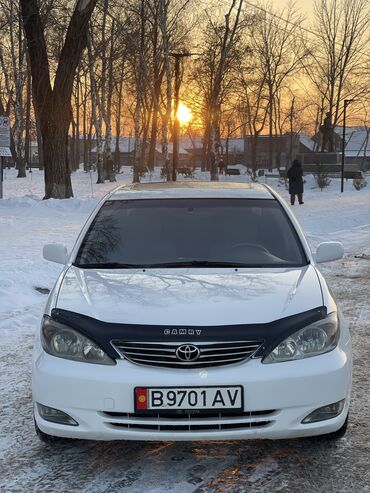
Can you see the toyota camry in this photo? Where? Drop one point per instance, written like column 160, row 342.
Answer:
column 191, row 311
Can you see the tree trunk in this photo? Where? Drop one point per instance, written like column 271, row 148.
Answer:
column 167, row 66
column 206, row 147
column 96, row 116
column 109, row 163
column 254, row 143
column 84, row 123
column 77, row 133
column 137, row 146
column 28, row 120
column 153, row 140
column 40, row 147
column 57, row 177
column 72, row 146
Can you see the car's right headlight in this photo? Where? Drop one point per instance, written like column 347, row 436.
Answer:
column 60, row 340
column 317, row 338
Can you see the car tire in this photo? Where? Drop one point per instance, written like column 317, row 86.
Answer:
column 51, row 439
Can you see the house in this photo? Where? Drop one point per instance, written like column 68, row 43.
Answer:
column 232, row 150
column 285, row 148
column 184, row 155
column 126, row 150
column 357, row 147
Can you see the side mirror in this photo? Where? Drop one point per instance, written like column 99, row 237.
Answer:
column 329, row 251
column 55, row 252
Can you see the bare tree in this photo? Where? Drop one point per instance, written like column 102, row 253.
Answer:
column 277, row 50
column 339, row 67
column 53, row 103
column 13, row 64
column 214, row 77
column 227, row 43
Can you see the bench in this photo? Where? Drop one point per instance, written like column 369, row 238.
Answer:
column 353, row 175
column 186, row 171
column 232, row 171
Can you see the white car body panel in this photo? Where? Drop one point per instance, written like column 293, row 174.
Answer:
column 216, row 296
column 195, row 297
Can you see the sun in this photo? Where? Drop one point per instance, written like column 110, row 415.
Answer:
column 183, row 114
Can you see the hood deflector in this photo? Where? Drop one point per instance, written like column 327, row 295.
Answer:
column 103, row 333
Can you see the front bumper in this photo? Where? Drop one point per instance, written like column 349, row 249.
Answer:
column 276, row 398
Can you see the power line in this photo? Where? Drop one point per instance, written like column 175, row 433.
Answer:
column 302, row 28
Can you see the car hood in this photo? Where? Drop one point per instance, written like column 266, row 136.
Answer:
column 190, row 296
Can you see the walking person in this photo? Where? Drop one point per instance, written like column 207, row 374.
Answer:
column 295, row 176
column 221, row 166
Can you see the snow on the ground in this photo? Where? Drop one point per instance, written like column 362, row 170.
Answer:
column 27, row 223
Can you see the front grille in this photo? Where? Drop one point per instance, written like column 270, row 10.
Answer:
column 189, row 422
column 164, row 354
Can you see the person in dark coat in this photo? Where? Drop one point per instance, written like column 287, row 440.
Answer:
column 221, row 166
column 295, row 176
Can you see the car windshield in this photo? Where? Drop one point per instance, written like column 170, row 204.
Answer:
column 191, row 233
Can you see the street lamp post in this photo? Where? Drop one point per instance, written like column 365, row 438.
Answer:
column 176, row 125
column 346, row 103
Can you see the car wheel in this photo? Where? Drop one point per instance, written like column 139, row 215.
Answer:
column 335, row 435
column 51, row 439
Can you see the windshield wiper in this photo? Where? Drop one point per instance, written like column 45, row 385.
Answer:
column 109, row 265
column 198, row 263
column 176, row 264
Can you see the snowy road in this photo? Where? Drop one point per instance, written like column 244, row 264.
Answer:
column 26, row 465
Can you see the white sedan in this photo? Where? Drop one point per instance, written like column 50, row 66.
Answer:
column 191, row 311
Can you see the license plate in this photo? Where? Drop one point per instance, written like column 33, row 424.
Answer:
column 189, row 398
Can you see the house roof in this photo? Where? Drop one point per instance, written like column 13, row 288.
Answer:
column 357, row 140
column 307, row 141
column 182, row 150
column 236, row 146
column 126, row 144
column 191, row 143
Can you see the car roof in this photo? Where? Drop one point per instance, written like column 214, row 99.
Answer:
column 191, row 189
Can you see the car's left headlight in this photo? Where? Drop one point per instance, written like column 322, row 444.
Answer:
column 64, row 342
column 317, row 338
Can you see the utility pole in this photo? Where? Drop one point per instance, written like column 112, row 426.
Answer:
column 346, row 103
column 270, row 143
column 176, row 125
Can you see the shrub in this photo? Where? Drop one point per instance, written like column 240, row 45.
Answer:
column 322, row 177
column 359, row 183
column 141, row 171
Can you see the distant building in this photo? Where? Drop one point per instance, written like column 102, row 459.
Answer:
column 357, row 146
column 184, row 155
column 285, row 148
column 232, row 150
column 126, row 150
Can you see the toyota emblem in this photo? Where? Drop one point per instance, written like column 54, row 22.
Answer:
column 187, row 352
